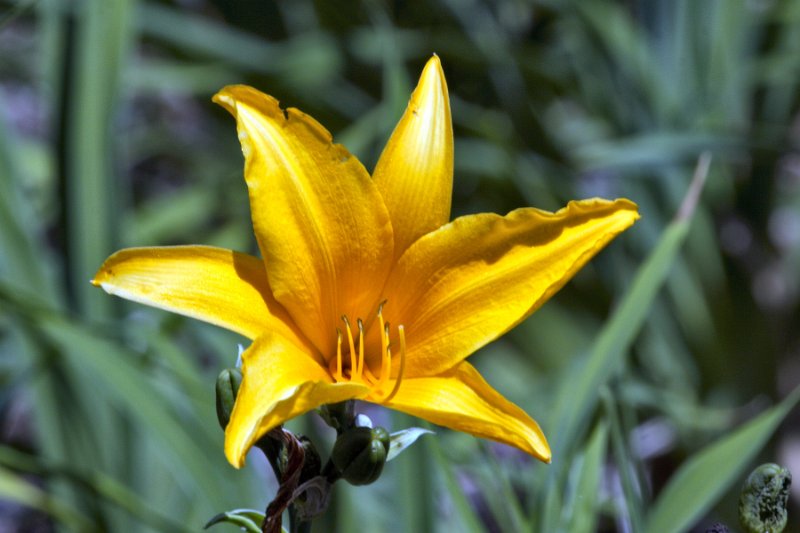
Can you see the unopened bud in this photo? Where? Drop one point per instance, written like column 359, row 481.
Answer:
column 360, row 453
column 762, row 504
column 340, row 416
column 228, row 383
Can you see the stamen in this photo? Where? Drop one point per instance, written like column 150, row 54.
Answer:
column 386, row 355
column 353, row 361
column 359, row 371
column 360, row 368
column 384, row 332
column 396, row 387
column 338, row 354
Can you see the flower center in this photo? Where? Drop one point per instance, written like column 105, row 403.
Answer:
column 358, row 370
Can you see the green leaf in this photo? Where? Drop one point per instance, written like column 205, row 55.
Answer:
column 17, row 489
column 103, row 37
column 97, row 483
column 247, row 519
column 21, row 262
column 617, row 335
column 708, row 474
column 579, row 398
column 464, row 510
column 114, row 370
column 400, row 440
column 581, row 511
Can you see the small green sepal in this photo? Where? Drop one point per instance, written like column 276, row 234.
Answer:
column 400, row 440
column 340, row 416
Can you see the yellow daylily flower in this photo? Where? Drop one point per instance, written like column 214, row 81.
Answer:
column 366, row 290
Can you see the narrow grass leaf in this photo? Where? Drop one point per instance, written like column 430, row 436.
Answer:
column 463, row 509
column 102, row 42
column 98, row 483
column 16, row 489
column 499, row 493
column 630, row 506
column 119, row 379
column 581, row 512
column 17, row 228
column 414, row 485
column 579, row 398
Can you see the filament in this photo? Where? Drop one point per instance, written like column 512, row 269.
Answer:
column 360, row 369
column 338, row 354
column 353, row 361
column 386, row 362
column 401, row 332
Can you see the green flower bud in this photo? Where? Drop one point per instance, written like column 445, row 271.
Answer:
column 360, row 453
column 340, row 416
column 762, row 505
column 228, row 383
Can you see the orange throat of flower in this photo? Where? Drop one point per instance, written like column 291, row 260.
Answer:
column 355, row 369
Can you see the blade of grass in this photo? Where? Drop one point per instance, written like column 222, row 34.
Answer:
column 579, row 396
column 577, row 401
column 414, row 481
column 503, row 501
column 102, row 40
column 21, row 263
column 703, row 478
column 125, row 384
column 111, row 372
column 581, row 511
column 630, row 485
column 100, row 484
column 17, row 489
column 316, row 51
column 464, row 510
column 199, row 34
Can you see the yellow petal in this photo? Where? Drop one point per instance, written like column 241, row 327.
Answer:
column 460, row 287
column 321, row 224
column 281, row 381
column 415, row 171
column 461, row 400
column 219, row 286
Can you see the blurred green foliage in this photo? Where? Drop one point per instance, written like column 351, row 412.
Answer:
column 642, row 371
